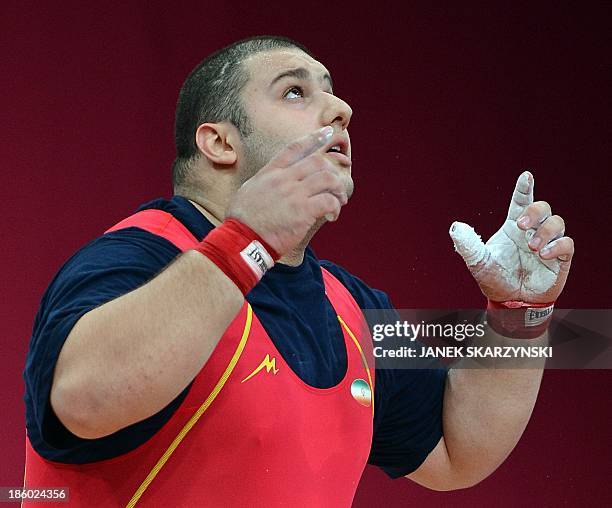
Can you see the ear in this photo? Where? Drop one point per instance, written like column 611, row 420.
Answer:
column 216, row 141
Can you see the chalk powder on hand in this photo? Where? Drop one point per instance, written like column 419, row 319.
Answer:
column 540, row 275
column 467, row 243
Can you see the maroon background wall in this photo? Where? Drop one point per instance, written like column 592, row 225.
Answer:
column 449, row 106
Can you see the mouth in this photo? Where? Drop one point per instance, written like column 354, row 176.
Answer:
column 341, row 146
column 338, row 149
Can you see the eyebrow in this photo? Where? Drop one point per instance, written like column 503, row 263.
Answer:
column 300, row 73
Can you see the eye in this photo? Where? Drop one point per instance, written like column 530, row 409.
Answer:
column 294, row 92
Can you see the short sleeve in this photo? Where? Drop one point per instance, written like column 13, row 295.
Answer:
column 408, row 418
column 407, row 402
column 103, row 270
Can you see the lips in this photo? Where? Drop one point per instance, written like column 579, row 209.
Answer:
column 337, row 149
column 340, row 157
column 339, row 143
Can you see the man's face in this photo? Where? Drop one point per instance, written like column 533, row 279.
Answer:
column 288, row 95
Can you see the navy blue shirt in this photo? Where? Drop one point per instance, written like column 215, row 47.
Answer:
column 289, row 301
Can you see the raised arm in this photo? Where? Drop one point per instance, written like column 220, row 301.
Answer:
column 524, row 265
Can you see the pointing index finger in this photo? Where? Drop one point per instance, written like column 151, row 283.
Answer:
column 522, row 196
column 303, row 147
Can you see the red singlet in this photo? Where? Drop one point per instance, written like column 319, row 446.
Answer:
column 249, row 433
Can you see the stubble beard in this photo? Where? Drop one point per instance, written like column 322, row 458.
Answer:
column 260, row 150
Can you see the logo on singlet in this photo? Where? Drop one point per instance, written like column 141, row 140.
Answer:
column 361, row 392
column 267, row 363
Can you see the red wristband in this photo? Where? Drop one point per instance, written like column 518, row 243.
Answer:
column 239, row 252
column 519, row 320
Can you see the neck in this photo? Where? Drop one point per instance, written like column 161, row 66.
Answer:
column 211, row 201
column 214, row 212
column 295, row 257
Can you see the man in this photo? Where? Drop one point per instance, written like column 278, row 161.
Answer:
column 151, row 380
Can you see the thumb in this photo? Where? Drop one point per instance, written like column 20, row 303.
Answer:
column 468, row 244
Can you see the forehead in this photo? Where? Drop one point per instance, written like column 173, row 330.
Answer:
column 263, row 67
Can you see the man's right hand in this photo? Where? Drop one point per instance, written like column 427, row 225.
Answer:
column 117, row 366
column 286, row 197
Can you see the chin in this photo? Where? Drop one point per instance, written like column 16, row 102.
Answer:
column 349, row 186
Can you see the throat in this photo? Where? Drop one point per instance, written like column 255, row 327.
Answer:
column 214, row 218
column 293, row 258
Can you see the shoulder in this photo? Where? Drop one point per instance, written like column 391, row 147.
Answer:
column 107, row 266
column 129, row 248
column 365, row 296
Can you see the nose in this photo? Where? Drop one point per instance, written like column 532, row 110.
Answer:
column 336, row 111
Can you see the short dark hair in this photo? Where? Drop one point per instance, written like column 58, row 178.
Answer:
column 211, row 93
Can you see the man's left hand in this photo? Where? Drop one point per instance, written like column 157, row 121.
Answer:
column 528, row 259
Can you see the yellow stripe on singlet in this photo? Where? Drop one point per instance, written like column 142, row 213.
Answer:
column 363, row 358
column 196, row 416
column 25, row 472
